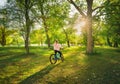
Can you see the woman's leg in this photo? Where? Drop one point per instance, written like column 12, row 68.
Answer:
column 55, row 54
column 59, row 53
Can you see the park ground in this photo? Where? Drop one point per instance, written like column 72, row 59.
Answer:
column 16, row 67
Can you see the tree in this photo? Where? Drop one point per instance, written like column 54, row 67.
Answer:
column 3, row 25
column 23, row 15
column 2, row 36
column 69, row 35
column 52, row 16
column 88, row 16
column 44, row 11
column 69, row 29
column 112, row 15
column 37, row 36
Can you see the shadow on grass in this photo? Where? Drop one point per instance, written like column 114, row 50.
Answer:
column 39, row 75
column 99, row 68
column 14, row 57
column 10, row 59
column 97, row 71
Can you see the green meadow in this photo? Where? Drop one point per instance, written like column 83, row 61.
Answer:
column 16, row 67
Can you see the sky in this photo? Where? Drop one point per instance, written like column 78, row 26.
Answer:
column 72, row 11
column 2, row 2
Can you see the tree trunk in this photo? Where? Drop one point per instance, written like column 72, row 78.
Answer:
column 67, row 38
column 48, row 39
column 3, row 37
column 89, row 37
column 46, row 31
column 115, row 44
column 68, row 43
column 27, row 26
column 108, row 41
column 44, row 22
column 89, row 27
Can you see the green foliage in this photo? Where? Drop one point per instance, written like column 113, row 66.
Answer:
column 112, row 16
column 71, row 35
column 54, row 14
column 37, row 36
column 12, row 37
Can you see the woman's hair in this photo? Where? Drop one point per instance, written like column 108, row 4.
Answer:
column 56, row 41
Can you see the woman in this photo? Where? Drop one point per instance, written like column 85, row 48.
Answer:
column 57, row 47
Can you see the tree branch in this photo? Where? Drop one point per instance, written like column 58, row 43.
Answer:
column 79, row 10
column 103, row 7
column 97, row 8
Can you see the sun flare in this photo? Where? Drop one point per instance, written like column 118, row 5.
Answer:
column 79, row 24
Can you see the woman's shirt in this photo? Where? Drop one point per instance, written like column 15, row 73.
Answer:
column 57, row 46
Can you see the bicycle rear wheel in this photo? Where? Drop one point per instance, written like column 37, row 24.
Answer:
column 62, row 58
column 52, row 59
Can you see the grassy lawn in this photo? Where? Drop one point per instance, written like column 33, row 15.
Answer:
column 78, row 68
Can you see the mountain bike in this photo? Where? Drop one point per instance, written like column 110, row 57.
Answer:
column 54, row 59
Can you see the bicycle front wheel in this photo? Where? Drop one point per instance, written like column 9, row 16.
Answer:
column 52, row 59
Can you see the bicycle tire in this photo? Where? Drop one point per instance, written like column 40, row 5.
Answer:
column 52, row 59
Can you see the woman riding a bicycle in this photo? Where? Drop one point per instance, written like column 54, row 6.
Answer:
column 57, row 48
column 57, row 56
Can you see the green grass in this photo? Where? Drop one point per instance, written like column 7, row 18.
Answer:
column 78, row 68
